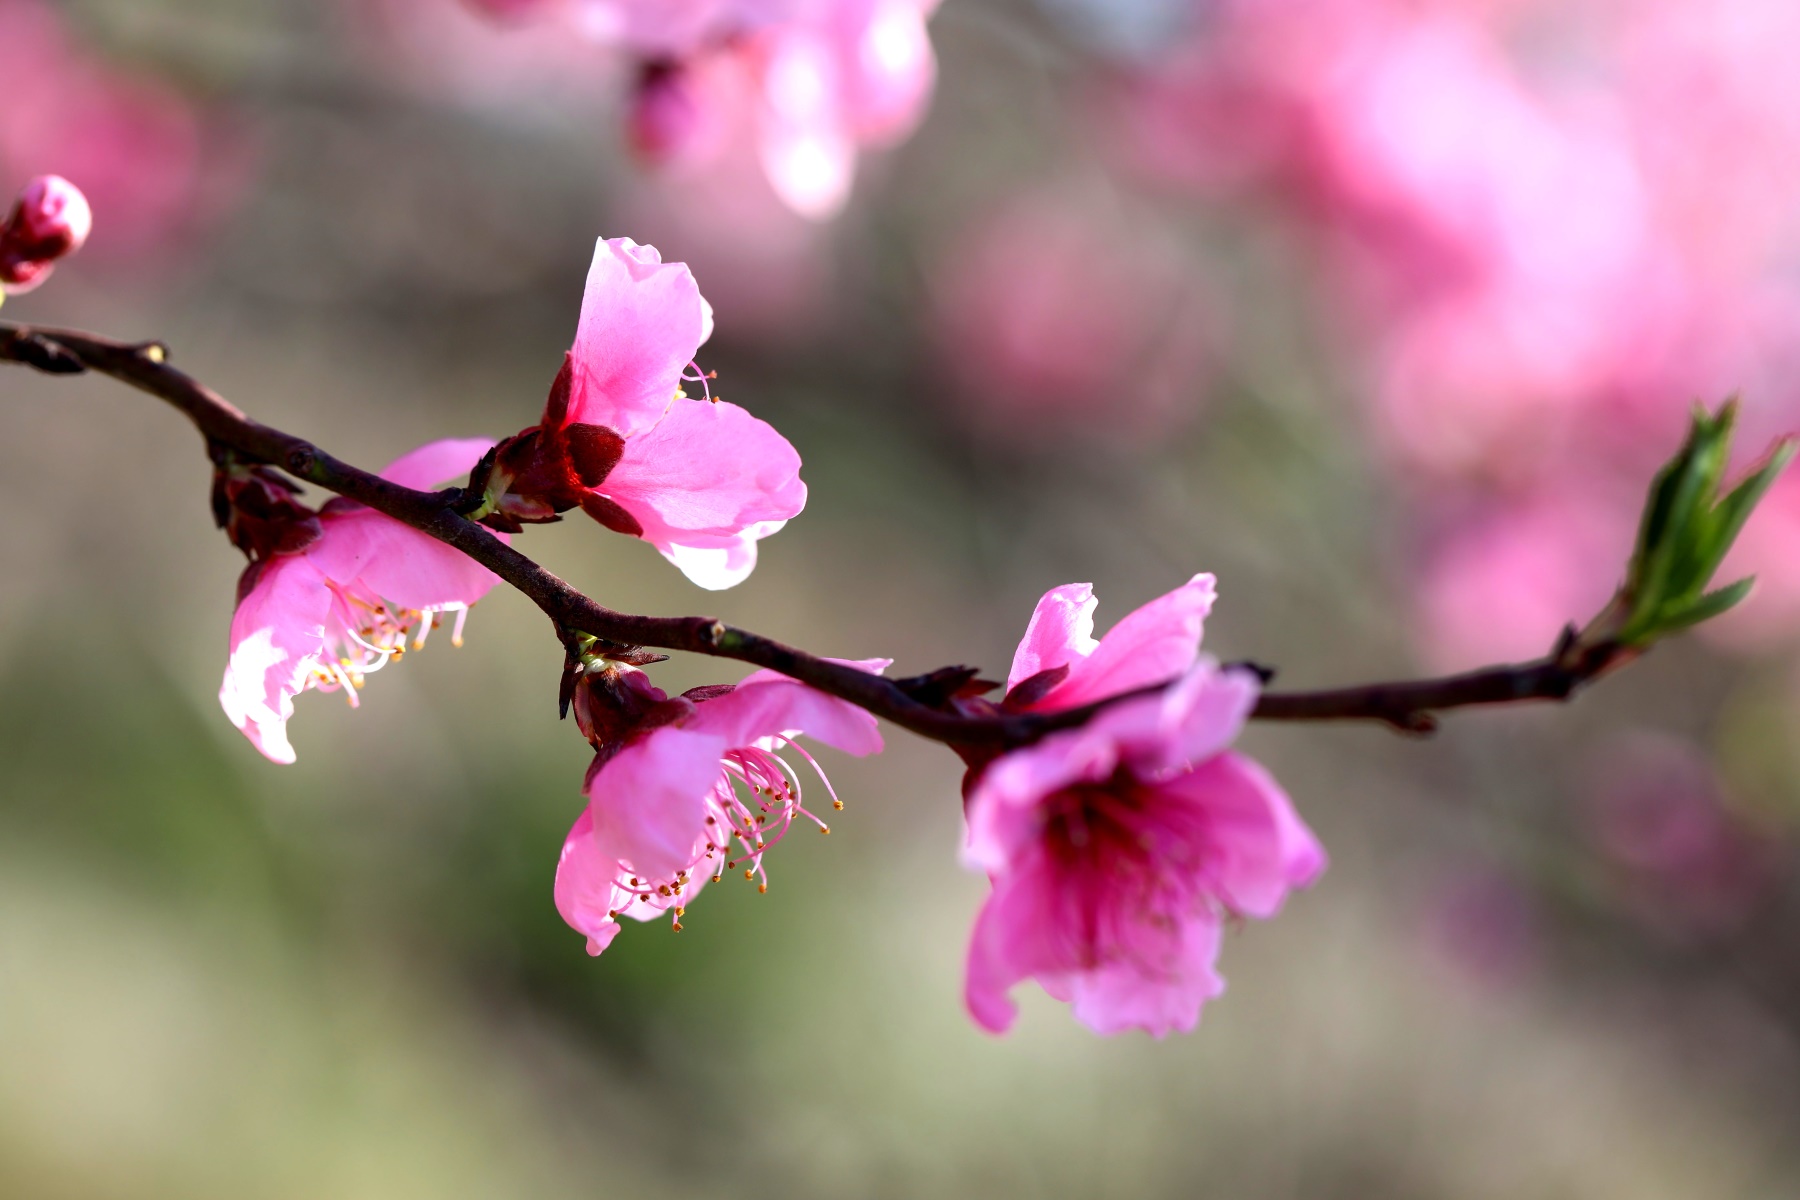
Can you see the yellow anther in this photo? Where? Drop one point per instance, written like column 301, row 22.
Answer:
column 837, row 804
column 761, row 888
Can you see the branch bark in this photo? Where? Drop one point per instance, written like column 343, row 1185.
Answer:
column 1409, row 706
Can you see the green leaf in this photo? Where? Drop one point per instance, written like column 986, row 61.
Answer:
column 1707, row 606
column 1687, row 530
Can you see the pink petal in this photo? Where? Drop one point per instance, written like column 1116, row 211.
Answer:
column 708, row 478
column 277, row 638
column 1159, row 997
column 1002, row 810
column 642, row 322
column 586, row 893
column 1153, row 645
column 437, row 464
column 1061, row 632
column 767, row 704
column 1258, row 849
column 649, row 800
column 1200, row 715
column 397, row 562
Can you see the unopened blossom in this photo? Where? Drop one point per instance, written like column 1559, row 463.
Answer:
column 354, row 596
column 1118, row 850
column 50, row 220
column 707, row 788
column 698, row 478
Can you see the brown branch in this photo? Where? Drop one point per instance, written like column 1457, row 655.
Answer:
column 1406, row 705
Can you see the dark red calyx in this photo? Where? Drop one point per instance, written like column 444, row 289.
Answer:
column 615, row 703
column 543, row 471
column 1030, row 690
column 258, row 510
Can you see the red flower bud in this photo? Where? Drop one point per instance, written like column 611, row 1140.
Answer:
column 51, row 219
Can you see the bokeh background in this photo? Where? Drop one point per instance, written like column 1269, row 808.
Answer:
column 1382, row 310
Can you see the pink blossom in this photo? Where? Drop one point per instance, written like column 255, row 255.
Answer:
column 1044, row 307
column 1118, row 850
column 339, row 609
column 50, row 221
column 1503, row 581
column 706, row 792
column 808, row 83
column 1682, row 862
column 698, row 478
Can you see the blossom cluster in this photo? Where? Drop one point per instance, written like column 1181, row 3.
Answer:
column 1116, row 850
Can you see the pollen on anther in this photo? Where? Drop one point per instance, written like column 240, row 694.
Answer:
column 680, row 911
column 761, row 888
column 749, row 873
column 677, row 926
column 824, row 829
column 837, row 804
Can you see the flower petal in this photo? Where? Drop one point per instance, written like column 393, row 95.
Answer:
column 397, row 562
column 437, row 464
column 277, row 638
column 1061, row 632
column 649, row 800
column 767, row 704
column 705, row 483
column 1154, row 644
column 642, row 321
column 1002, row 808
column 1161, row 995
column 1258, row 849
column 586, row 890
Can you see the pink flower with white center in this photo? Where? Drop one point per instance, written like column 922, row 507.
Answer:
column 700, row 479
column 50, row 221
column 1117, row 850
column 345, row 605
column 691, row 799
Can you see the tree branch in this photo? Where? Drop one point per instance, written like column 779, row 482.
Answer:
column 1407, row 706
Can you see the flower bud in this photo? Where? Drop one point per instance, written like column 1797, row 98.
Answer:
column 51, row 219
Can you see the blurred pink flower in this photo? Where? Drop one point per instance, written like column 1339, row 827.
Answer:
column 342, row 607
column 49, row 221
column 1503, row 581
column 664, row 811
column 1684, row 864
column 151, row 167
column 1117, row 851
column 1481, row 925
column 1058, row 324
column 700, row 479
